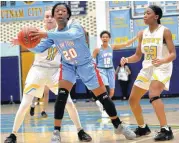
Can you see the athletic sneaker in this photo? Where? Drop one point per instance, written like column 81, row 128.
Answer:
column 84, row 136
column 142, row 131
column 56, row 137
column 127, row 132
column 164, row 135
column 32, row 111
column 44, row 114
column 11, row 139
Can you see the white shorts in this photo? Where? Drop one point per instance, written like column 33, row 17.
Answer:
column 146, row 75
column 38, row 78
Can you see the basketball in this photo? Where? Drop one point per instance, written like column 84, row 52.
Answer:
column 24, row 38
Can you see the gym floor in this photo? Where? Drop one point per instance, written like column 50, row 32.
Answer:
column 37, row 129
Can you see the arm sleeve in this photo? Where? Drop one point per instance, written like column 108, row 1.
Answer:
column 42, row 46
column 75, row 32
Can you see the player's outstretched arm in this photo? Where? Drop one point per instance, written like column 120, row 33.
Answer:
column 138, row 54
column 42, row 46
column 75, row 31
column 123, row 45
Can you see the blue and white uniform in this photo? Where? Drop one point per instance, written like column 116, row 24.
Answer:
column 76, row 56
column 104, row 61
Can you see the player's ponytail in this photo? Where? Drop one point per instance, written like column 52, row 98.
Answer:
column 158, row 11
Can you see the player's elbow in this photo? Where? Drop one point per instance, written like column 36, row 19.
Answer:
column 138, row 57
column 174, row 56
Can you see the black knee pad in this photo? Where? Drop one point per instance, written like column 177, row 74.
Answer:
column 107, row 89
column 108, row 104
column 60, row 103
column 154, row 98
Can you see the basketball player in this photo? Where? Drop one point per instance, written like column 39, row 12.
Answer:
column 104, row 61
column 155, row 42
column 45, row 101
column 44, row 72
column 70, row 40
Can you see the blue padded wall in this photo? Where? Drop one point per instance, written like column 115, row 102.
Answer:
column 10, row 78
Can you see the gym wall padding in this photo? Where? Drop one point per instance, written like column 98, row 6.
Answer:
column 10, row 78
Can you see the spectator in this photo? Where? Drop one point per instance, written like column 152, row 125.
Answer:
column 123, row 76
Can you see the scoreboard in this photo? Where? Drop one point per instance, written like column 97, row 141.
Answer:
column 34, row 10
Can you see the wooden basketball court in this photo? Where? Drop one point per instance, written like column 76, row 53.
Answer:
column 36, row 129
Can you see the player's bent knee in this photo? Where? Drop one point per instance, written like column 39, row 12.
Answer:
column 107, row 104
column 60, row 103
column 62, row 95
column 154, row 98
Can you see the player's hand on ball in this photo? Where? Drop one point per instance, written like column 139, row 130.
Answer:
column 37, row 34
column 14, row 41
column 123, row 61
column 157, row 62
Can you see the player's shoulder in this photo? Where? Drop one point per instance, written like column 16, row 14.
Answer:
column 74, row 22
column 110, row 46
column 96, row 50
column 52, row 30
column 167, row 32
column 140, row 34
column 165, row 28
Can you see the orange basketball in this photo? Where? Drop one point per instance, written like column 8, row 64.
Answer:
column 24, row 38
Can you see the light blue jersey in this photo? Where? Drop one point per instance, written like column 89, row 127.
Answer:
column 70, row 42
column 76, row 56
column 104, row 58
column 104, row 62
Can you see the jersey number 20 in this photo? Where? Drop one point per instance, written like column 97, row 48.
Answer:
column 70, row 54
